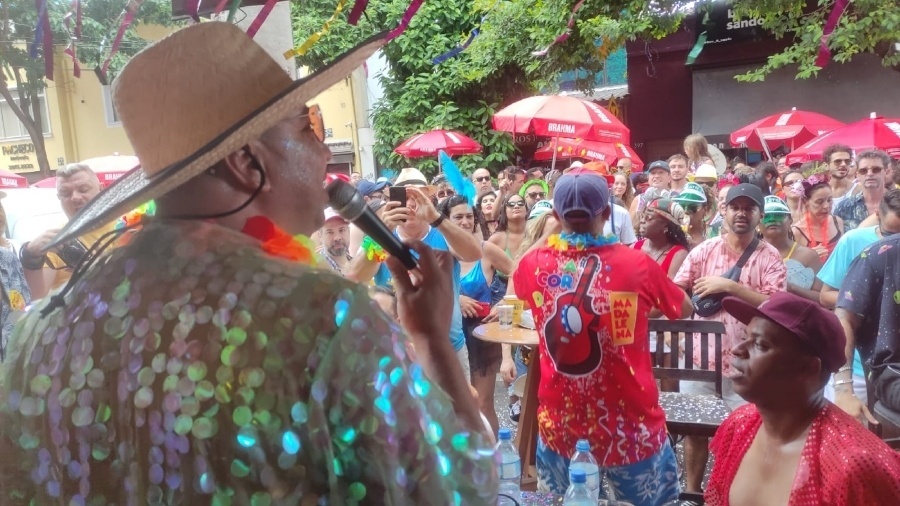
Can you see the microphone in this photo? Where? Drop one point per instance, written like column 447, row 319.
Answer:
column 348, row 203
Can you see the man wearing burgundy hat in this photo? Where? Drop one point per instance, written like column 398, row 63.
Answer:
column 790, row 445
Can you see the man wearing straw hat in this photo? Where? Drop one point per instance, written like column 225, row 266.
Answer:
column 201, row 362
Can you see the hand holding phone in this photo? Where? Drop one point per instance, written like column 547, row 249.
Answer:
column 398, row 194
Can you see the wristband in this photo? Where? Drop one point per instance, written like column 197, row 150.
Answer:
column 841, row 382
column 437, row 223
column 374, row 251
column 29, row 262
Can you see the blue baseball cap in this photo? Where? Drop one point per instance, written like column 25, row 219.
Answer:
column 366, row 187
column 580, row 190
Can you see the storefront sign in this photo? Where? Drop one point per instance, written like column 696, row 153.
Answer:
column 722, row 26
column 18, row 157
column 525, row 138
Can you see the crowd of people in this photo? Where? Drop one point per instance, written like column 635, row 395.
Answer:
column 254, row 347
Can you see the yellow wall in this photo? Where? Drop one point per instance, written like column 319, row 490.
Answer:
column 80, row 130
column 78, row 119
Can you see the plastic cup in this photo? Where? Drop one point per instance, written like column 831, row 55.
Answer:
column 505, row 313
column 518, row 305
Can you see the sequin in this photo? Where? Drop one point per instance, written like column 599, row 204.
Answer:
column 246, row 437
column 216, row 354
column 299, row 413
column 433, row 433
column 341, row 308
column 290, row 443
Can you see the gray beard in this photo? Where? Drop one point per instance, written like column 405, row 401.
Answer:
column 337, row 252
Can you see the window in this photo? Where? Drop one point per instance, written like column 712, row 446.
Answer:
column 112, row 118
column 10, row 126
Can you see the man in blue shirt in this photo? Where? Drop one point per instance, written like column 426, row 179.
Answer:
column 835, row 269
column 419, row 220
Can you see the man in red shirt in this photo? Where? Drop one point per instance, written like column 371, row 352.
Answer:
column 790, row 445
column 591, row 297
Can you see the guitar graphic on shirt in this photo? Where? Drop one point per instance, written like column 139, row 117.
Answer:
column 571, row 329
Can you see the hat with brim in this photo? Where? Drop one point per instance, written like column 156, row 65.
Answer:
column 412, row 176
column 692, row 193
column 774, row 205
column 181, row 121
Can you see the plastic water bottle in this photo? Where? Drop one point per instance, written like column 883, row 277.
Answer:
column 578, row 493
column 510, row 469
column 584, row 461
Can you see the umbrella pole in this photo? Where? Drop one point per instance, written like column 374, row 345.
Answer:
column 765, row 145
column 554, row 143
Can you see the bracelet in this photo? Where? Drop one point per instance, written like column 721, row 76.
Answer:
column 437, row 223
column 374, row 251
column 845, row 368
column 841, row 382
column 29, row 262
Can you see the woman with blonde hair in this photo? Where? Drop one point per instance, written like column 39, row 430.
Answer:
column 697, row 150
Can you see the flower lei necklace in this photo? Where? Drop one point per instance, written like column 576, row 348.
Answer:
column 279, row 243
column 571, row 240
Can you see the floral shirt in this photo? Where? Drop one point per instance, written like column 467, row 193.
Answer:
column 764, row 273
column 189, row 367
column 852, row 210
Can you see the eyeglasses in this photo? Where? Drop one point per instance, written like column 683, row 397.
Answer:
column 537, row 195
column 482, row 179
column 862, row 171
column 691, row 208
column 315, row 122
column 512, row 205
column 445, row 193
column 842, row 161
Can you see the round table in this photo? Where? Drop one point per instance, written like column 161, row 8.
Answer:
column 514, row 335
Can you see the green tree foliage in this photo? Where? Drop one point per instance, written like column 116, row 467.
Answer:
column 420, row 96
column 500, row 67
column 867, row 26
column 100, row 21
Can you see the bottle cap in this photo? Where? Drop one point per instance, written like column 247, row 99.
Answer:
column 582, row 446
column 504, row 434
column 577, row 476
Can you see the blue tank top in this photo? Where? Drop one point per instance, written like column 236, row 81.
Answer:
column 475, row 285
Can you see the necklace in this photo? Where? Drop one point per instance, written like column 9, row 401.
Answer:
column 279, row 243
column 657, row 254
column 791, row 252
column 579, row 242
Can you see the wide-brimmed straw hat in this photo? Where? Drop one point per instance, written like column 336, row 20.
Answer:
column 194, row 97
column 411, row 176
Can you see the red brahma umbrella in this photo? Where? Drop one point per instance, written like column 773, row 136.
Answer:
column 430, row 143
column 872, row 133
column 579, row 148
column 12, row 180
column 561, row 116
column 791, row 128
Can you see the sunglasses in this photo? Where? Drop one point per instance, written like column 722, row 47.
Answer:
column 537, row 195
column 842, row 161
column 316, row 124
column 445, row 193
column 862, row 171
column 482, row 179
column 513, row 205
column 691, row 208
column 773, row 218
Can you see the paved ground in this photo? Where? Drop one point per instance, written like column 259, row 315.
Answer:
column 501, row 404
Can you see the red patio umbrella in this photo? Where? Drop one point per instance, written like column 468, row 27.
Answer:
column 791, row 128
column 429, row 143
column 874, row 132
column 107, row 168
column 12, row 180
column 561, row 116
column 566, row 148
